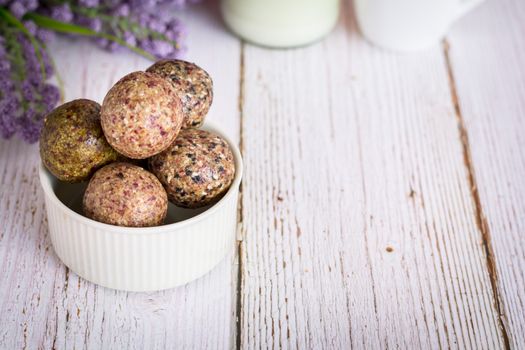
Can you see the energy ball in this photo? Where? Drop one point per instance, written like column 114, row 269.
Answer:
column 141, row 115
column 196, row 170
column 72, row 143
column 125, row 195
column 193, row 85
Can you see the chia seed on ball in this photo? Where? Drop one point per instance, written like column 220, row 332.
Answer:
column 196, row 170
column 193, row 85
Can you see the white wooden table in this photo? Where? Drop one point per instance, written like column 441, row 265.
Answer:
column 383, row 204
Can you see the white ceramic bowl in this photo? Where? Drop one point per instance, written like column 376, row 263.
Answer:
column 141, row 259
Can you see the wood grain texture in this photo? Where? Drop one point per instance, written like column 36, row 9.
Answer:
column 487, row 55
column 359, row 226
column 43, row 304
column 374, row 205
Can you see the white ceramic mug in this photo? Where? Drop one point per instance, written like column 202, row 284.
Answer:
column 280, row 23
column 408, row 25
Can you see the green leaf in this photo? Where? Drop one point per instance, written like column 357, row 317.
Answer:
column 58, row 26
column 61, row 27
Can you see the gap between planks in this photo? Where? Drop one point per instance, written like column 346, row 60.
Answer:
column 481, row 220
column 238, row 311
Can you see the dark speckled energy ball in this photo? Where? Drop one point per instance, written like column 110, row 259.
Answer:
column 194, row 87
column 196, row 170
column 72, row 144
column 141, row 115
column 123, row 194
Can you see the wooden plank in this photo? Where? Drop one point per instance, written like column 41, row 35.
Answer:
column 487, row 56
column 358, row 222
column 42, row 304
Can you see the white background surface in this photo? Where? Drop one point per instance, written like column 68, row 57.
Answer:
column 383, row 200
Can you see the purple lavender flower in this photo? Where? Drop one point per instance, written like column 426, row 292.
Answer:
column 8, row 107
column 62, row 13
column 21, row 7
column 30, row 126
column 44, row 35
column 94, row 24
column 17, row 9
column 129, row 38
column 24, row 97
column 25, row 65
column 50, row 95
column 121, row 10
column 162, row 48
column 33, row 68
column 143, row 4
column 4, row 66
column 89, row 3
column 27, row 90
column 31, row 27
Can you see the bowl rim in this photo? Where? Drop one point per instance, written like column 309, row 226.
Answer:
column 46, row 177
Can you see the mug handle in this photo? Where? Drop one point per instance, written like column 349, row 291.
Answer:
column 464, row 6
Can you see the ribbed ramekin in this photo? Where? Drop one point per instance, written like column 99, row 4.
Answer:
column 142, row 259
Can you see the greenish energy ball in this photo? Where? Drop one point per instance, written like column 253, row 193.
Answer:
column 72, row 143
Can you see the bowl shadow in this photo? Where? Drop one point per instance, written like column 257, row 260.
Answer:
column 71, row 195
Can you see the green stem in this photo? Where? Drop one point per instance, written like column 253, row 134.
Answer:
column 9, row 18
column 61, row 27
column 60, row 82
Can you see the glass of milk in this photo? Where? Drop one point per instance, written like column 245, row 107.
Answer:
column 280, row 23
